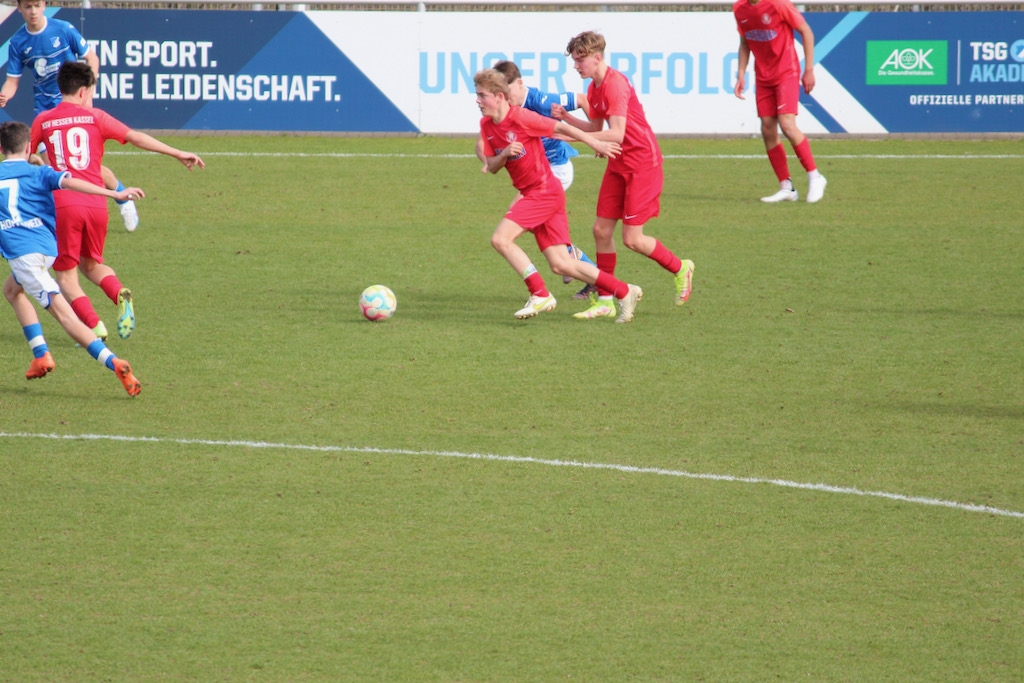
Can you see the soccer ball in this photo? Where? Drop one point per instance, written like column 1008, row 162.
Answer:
column 377, row 302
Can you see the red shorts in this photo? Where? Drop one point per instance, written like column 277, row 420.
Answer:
column 81, row 234
column 544, row 215
column 634, row 198
column 781, row 98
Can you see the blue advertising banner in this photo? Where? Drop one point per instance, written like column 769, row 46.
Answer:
column 222, row 70
column 922, row 72
column 876, row 73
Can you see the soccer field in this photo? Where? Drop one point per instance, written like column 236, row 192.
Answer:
column 811, row 470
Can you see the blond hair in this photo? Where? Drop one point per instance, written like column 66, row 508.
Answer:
column 492, row 81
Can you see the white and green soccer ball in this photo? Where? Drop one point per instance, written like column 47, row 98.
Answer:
column 377, row 302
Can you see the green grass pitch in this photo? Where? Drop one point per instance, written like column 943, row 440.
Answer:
column 299, row 494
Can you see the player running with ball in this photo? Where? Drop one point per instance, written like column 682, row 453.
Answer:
column 512, row 140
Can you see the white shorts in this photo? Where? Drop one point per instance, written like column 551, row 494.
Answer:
column 564, row 174
column 32, row 272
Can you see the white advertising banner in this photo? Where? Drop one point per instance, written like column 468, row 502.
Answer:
column 682, row 64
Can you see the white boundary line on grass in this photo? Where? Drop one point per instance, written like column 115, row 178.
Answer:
column 630, row 469
column 369, row 155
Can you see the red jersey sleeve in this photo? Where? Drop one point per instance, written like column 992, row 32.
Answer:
column 111, row 128
column 789, row 13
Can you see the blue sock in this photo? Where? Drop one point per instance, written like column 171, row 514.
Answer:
column 100, row 352
column 120, row 187
column 34, row 335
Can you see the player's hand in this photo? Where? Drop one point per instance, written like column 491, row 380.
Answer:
column 808, row 80
column 514, row 149
column 557, row 111
column 129, row 193
column 609, row 150
column 741, row 83
column 3, row 100
column 191, row 160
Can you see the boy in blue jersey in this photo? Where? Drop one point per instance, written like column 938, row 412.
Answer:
column 28, row 240
column 41, row 46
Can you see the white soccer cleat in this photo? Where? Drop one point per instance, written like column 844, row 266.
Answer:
column 130, row 215
column 816, row 189
column 783, row 195
column 627, row 306
column 535, row 305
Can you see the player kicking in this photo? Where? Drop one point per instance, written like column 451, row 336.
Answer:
column 74, row 134
column 28, row 241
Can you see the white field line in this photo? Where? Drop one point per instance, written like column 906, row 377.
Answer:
column 630, row 469
column 368, row 155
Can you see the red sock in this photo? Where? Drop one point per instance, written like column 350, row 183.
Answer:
column 111, row 286
column 535, row 283
column 665, row 258
column 777, row 156
column 803, row 153
column 85, row 312
column 610, row 283
column 606, row 264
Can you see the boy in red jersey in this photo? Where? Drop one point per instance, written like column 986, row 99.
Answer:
column 766, row 31
column 74, row 134
column 511, row 138
column 631, row 189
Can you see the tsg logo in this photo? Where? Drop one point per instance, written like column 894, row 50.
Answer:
column 997, row 52
column 992, row 62
column 906, row 62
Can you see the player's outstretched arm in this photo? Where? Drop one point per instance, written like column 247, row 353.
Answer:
column 151, row 144
column 604, row 148
column 84, row 186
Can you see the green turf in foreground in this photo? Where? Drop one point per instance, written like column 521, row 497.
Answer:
column 870, row 341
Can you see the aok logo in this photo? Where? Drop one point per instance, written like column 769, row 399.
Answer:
column 906, row 62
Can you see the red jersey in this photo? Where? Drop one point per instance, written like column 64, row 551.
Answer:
column 616, row 97
column 74, row 136
column 530, row 171
column 768, row 28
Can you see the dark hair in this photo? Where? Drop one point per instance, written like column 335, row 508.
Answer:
column 510, row 70
column 14, row 137
column 75, row 75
